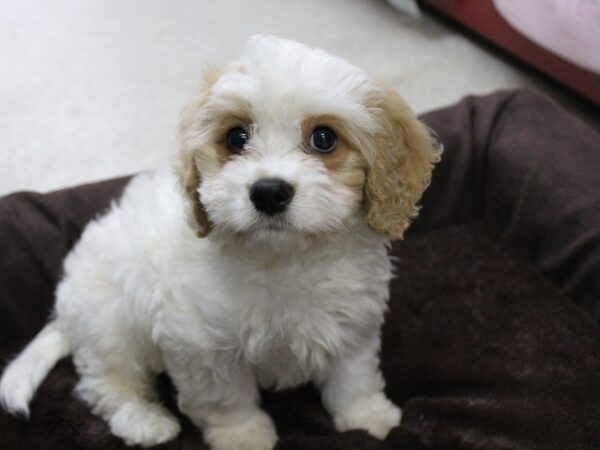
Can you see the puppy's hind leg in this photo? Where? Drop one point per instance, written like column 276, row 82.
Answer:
column 124, row 397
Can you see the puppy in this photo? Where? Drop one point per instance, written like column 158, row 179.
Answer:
column 260, row 261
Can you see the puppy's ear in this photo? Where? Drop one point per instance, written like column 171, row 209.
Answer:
column 189, row 178
column 189, row 158
column 400, row 170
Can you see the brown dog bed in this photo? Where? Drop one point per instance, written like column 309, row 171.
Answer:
column 492, row 338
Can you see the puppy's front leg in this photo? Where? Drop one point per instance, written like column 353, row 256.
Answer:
column 222, row 399
column 353, row 393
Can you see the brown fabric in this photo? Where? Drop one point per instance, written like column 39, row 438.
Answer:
column 36, row 233
column 517, row 160
column 479, row 348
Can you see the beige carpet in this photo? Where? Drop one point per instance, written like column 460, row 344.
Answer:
column 91, row 89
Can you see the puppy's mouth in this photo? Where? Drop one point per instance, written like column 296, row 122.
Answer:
column 276, row 224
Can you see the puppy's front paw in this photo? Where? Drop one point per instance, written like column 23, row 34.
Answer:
column 376, row 414
column 144, row 424
column 257, row 432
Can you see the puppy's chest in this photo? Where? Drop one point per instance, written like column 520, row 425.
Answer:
column 289, row 347
column 290, row 325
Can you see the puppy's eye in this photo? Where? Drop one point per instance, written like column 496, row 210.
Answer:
column 236, row 139
column 323, row 139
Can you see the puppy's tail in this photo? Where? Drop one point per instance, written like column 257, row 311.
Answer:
column 23, row 376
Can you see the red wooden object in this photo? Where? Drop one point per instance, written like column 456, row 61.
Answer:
column 481, row 17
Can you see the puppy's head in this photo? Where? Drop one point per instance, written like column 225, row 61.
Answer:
column 289, row 143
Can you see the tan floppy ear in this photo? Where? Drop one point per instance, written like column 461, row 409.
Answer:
column 188, row 157
column 189, row 178
column 400, row 171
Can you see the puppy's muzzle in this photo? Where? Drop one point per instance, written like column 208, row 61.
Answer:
column 271, row 195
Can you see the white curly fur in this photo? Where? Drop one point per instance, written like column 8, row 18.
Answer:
column 246, row 306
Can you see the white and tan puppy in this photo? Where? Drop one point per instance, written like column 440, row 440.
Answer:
column 260, row 261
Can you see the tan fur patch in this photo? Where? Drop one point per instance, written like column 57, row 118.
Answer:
column 191, row 157
column 401, row 169
column 220, row 133
column 346, row 164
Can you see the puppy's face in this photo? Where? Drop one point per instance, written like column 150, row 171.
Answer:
column 289, row 143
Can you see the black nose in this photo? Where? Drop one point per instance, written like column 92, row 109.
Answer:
column 271, row 195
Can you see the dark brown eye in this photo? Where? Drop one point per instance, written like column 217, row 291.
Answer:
column 236, row 139
column 323, row 139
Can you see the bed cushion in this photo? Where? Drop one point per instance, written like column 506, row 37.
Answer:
column 36, row 233
column 519, row 161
